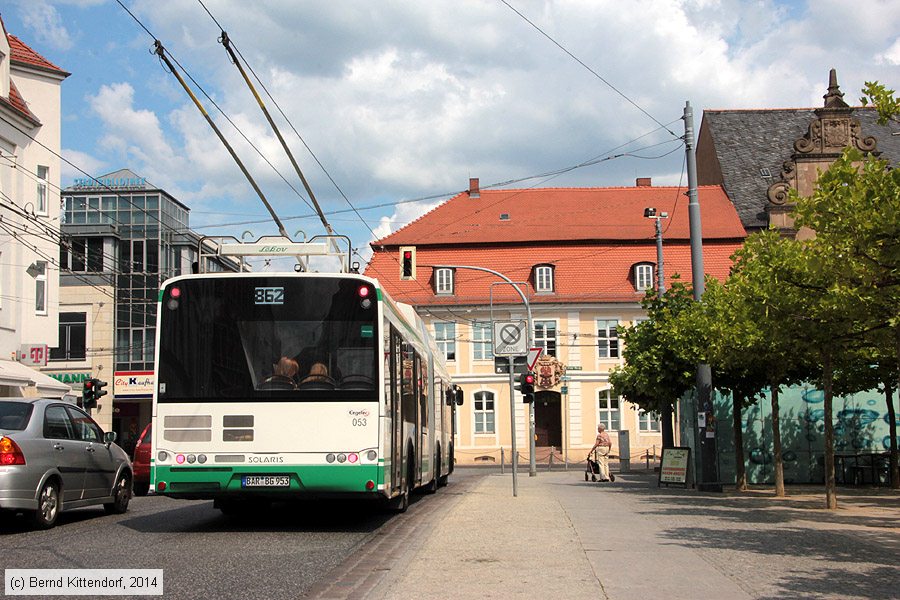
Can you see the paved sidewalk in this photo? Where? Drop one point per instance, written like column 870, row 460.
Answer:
column 567, row 538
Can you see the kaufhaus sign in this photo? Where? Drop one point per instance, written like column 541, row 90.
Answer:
column 133, row 384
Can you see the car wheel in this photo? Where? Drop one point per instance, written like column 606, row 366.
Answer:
column 48, row 506
column 141, row 488
column 121, row 496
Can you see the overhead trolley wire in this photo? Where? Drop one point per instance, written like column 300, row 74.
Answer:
column 583, row 64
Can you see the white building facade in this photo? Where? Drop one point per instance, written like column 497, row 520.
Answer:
column 30, row 209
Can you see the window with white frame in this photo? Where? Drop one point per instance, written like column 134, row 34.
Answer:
column 40, row 288
column 545, row 336
column 484, row 412
column 543, row 278
column 609, row 414
column 445, row 336
column 42, row 201
column 643, row 277
column 443, row 281
column 607, row 338
column 648, row 422
column 481, row 341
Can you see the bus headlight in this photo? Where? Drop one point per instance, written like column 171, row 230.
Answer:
column 162, row 456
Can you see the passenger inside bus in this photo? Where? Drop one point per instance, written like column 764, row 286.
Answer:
column 318, row 374
column 283, row 376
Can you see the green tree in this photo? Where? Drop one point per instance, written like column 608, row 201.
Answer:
column 718, row 331
column 654, row 376
column 855, row 212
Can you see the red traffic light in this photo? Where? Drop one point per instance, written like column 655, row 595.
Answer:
column 528, row 378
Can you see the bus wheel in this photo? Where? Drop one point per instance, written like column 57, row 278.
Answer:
column 400, row 503
column 432, row 486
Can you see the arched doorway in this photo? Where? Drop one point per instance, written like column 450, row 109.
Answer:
column 548, row 419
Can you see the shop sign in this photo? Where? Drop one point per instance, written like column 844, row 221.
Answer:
column 33, row 355
column 133, row 384
column 70, row 377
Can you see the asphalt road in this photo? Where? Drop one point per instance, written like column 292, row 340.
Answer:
column 204, row 554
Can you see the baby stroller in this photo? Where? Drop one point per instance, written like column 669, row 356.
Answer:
column 592, row 469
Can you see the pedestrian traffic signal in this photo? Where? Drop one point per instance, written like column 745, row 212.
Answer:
column 91, row 392
column 526, row 387
column 407, row 262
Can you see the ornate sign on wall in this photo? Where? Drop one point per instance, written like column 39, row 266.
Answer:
column 549, row 372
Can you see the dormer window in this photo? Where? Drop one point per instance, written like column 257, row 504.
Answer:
column 443, row 281
column 543, row 278
column 643, row 277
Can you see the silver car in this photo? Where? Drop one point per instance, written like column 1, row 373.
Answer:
column 54, row 457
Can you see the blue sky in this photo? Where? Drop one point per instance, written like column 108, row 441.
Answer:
column 407, row 100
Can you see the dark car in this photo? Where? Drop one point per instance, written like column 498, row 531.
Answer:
column 54, row 457
column 141, row 462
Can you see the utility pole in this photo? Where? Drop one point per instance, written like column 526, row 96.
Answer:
column 701, row 415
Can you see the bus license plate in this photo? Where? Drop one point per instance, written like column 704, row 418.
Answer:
column 265, row 481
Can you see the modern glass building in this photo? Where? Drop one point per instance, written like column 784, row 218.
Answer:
column 121, row 237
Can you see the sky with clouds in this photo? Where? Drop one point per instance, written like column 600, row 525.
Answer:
column 399, row 101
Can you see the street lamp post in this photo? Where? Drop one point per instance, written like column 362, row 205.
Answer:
column 512, row 402
column 652, row 213
column 665, row 413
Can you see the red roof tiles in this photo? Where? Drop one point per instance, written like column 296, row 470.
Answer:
column 607, row 235
column 568, row 214
column 23, row 54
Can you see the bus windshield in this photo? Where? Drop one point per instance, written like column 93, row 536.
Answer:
column 267, row 337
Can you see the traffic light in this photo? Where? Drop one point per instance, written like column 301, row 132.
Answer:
column 98, row 390
column 526, row 387
column 87, row 394
column 407, row 262
column 91, row 392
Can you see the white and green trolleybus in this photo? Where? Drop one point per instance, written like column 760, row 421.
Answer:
column 274, row 386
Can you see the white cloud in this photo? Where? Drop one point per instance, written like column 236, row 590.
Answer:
column 404, row 100
column 44, row 24
column 890, row 56
column 85, row 162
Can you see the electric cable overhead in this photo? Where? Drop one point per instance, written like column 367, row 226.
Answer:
column 592, row 71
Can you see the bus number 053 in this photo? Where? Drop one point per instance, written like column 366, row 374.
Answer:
column 359, row 422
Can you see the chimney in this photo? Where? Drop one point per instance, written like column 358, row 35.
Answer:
column 643, row 182
column 474, row 191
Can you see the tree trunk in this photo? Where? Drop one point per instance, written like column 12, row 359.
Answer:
column 740, row 469
column 892, row 427
column 830, row 489
column 776, row 444
column 667, row 431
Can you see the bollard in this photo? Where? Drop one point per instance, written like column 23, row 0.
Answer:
column 501, row 460
column 647, row 457
column 550, row 462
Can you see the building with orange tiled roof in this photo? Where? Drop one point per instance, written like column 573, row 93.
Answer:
column 30, row 131
column 585, row 258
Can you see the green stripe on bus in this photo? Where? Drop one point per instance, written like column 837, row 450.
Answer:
column 378, row 294
column 304, row 478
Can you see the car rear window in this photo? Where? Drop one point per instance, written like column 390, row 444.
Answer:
column 14, row 416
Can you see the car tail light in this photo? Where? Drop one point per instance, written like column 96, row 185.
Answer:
column 10, row 453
